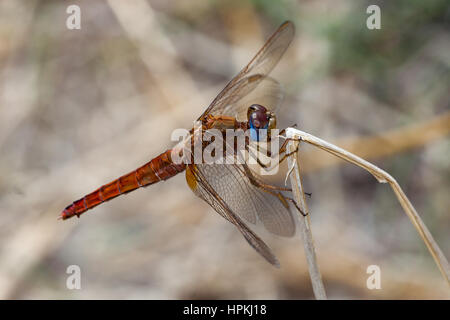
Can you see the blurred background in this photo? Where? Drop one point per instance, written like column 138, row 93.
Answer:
column 79, row 108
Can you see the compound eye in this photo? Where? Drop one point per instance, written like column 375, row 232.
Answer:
column 257, row 107
column 258, row 119
column 255, row 111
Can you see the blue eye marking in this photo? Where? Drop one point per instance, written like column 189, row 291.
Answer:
column 258, row 134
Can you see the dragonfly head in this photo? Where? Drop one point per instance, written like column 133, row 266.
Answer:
column 259, row 118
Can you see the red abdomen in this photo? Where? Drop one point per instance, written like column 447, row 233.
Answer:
column 160, row 168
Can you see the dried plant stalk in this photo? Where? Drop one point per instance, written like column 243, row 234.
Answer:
column 305, row 223
column 382, row 177
column 385, row 144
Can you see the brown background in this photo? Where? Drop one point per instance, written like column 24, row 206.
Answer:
column 79, row 108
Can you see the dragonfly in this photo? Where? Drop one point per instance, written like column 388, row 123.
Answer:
column 235, row 191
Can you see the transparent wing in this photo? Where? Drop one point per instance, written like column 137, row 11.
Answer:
column 254, row 74
column 251, row 203
column 265, row 91
column 205, row 191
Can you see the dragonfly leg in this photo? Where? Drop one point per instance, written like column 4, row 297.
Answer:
column 297, row 207
column 275, row 191
column 267, row 187
column 284, row 130
column 282, row 151
column 284, row 145
column 287, row 154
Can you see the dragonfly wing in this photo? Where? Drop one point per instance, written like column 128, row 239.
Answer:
column 200, row 185
column 250, row 202
column 242, row 189
column 260, row 66
column 269, row 93
column 258, row 89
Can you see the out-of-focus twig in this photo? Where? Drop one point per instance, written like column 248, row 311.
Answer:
column 305, row 223
column 386, row 144
column 139, row 22
column 34, row 239
column 243, row 30
column 382, row 177
column 15, row 74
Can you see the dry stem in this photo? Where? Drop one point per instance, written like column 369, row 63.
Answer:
column 305, row 223
column 382, row 177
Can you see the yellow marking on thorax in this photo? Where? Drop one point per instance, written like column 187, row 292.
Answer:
column 190, row 179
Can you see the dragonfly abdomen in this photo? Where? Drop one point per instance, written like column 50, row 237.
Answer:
column 159, row 168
